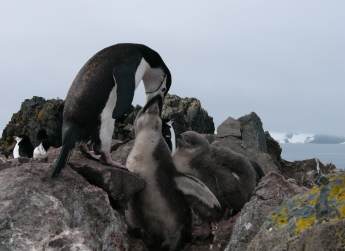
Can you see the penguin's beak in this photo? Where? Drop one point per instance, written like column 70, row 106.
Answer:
column 156, row 99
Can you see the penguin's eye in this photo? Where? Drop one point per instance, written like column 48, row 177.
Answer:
column 193, row 143
column 163, row 90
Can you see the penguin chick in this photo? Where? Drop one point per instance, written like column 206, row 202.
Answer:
column 160, row 210
column 103, row 91
column 230, row 176
column 23, row 147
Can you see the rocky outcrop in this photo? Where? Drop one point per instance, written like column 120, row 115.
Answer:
column 230, row 127
column 188, row 115
column 269, row 194
column 34, row 114
column 64, row 213
column 38, row 113
column 312, row 221
column 305, row 172
column 252, row 142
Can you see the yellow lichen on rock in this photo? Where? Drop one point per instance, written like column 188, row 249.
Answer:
column 305, row 223
column 324, row 203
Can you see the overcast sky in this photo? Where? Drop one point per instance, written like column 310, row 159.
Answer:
column 284, row 60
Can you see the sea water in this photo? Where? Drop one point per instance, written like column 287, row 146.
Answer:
column 324, row 152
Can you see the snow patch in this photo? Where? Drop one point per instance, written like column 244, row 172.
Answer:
column 292, row 137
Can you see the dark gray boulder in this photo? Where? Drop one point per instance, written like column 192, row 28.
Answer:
column 34, row 114
column 230, row 127
column 252, row 142
column 40, row 213
column 188, row 115
column 253, row 132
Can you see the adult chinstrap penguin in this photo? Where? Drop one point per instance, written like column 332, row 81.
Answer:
column 169, row 134
column 230, row 176
column 102, row 91
column 41, row 144
column 160, row 210
column 23, row 147
column 42, row 148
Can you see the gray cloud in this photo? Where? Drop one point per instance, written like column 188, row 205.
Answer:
column 283, row 60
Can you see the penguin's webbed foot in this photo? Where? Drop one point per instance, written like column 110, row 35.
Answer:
column 107, row 160
column 204, row 231
column 89, row 154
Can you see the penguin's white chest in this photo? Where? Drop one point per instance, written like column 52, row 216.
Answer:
column 16, row 151
column 16, row 148
column 140, row 161
column 39, row 151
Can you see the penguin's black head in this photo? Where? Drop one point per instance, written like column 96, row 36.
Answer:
column 191, row 143
column 21, row 138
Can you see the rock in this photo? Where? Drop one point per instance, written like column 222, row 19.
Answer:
column 274, row 150
column 35, row 114
column 252, row 143
column 263, row 159
column 188, row 115
column 37, row 212
column 268, row 195
column 221, row 233
column 329, row 166
column 124, row 129
column 253, row 133
column 230, row 127
column 122, row 152
column 2, row 158
column 312, row 221
column 120, row 185
column 305, row 172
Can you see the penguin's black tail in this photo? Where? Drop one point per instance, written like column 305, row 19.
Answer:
column 68, row 145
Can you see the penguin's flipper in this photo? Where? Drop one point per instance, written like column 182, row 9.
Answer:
column 189, row 185
column 124, row 76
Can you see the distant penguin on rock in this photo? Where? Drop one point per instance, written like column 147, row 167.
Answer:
column 169, row 134
column 160, row 209
column 42, row 144
column 230, row 176
column 103, row 91
column 23, row 147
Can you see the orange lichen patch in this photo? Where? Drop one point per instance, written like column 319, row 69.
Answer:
column 302, row 223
